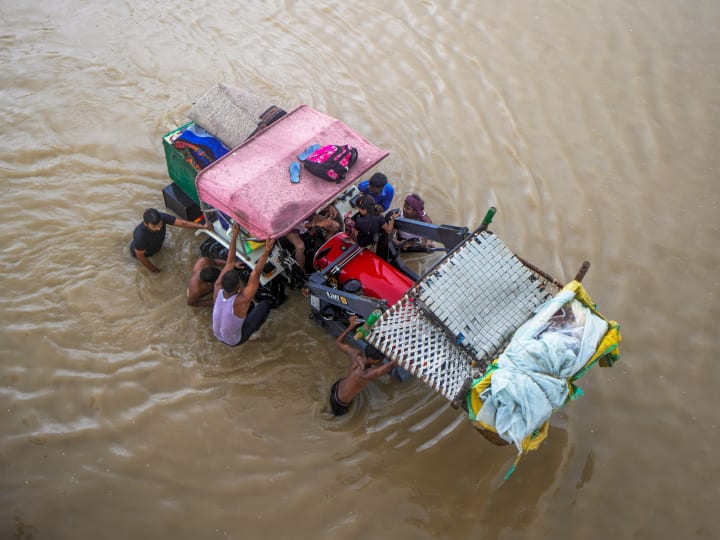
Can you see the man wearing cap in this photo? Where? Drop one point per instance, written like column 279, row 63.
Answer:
column 379, row 188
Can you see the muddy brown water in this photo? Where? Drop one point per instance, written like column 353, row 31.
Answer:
column 592, row 127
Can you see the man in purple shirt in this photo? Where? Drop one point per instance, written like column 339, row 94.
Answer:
column 234, row 318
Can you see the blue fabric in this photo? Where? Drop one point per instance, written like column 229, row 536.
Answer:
column 224, row 220
column 531, row 379
column 210, row 142
column 384, row 198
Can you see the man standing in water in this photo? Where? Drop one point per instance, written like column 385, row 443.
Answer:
column 363, row 369
column 235, row 319
column 202, row 281
column 149, row 235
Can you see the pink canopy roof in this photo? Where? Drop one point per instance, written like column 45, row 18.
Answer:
column 252, row 182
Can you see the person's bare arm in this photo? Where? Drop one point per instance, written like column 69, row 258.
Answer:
column 327, row 223
column 229, row 262
column 253, row 282
column 205, row 302
column 319, row 220
column 390, row 225
column 379, row 371
column 340, row 341
column 145, row 261
column 179, row 222
column 329, row 213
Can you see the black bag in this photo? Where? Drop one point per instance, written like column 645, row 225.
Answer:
column 331, row 162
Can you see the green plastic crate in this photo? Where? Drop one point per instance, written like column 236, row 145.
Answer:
column 179, row 170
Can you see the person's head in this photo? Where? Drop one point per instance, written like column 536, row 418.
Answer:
column 367, row 206
column 377, row 183
column 414, row 207
column 373, row 355
column 152, row 219
column 209, row 274
column 230, row 281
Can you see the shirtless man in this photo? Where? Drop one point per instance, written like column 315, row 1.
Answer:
column 202, row 280
column 234, row 319
column 328, row 219
column 363, row 369
column 325, row 219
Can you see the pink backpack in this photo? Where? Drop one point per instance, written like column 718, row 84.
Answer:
column 331, row 162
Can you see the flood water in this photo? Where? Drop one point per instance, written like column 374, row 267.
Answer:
column 591, row 126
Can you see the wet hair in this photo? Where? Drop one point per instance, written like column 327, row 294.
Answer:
column 151, row 216
column 378, row 180
column 372, row 353
column 209, row 274
column 230, row 281
column 368, row 203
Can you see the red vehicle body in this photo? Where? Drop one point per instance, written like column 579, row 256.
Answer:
column 344, row 260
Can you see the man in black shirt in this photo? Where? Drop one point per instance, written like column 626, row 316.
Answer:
column 149, row 235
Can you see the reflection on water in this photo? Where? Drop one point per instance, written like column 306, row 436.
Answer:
column 590, row 129
column 587, row 471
